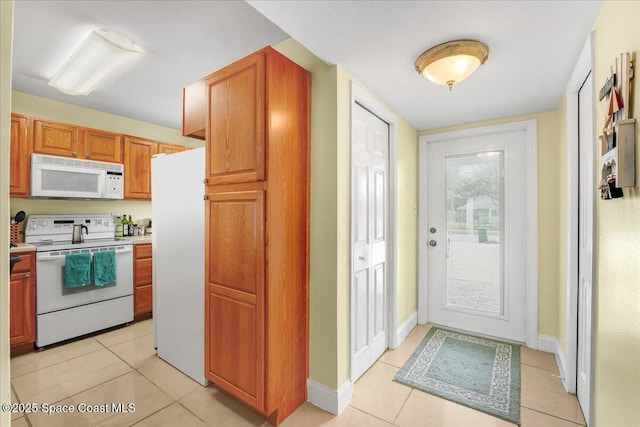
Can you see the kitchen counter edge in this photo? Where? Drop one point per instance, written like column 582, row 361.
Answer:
column 22, row 248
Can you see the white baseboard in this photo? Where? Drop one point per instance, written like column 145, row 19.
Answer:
column 547, row 344
column 328, row 399
column 406, row 327
column 562, row 363
column 551, row 345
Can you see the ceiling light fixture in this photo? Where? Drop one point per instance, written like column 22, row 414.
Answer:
column 100, row 55
column 451, row 62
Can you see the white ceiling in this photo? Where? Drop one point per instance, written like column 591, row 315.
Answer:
column 533, row 47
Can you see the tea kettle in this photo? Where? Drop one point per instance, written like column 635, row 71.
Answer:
column 78, row 235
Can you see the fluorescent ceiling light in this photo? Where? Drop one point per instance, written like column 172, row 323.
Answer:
column 98, row 57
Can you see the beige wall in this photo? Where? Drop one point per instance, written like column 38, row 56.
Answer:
column 6, row 31
column 36, row 106
column 617, row 287
column 330, row 238
column 549, row 151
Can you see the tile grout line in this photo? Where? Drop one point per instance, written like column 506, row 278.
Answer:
column 402, row 407
column 35, row 352
column 551, row 415
column 539, row 367
column 369, row 414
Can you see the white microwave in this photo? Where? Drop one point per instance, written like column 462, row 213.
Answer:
column 67, row 178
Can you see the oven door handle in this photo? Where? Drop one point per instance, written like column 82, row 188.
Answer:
column 59, row 257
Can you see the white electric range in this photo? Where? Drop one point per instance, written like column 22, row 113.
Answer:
column 63, row 313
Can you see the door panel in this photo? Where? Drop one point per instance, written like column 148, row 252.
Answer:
column 56, row 139
column 235, row 301
column 236, row 360
column 477, row 242
column 137, row 167
column 585, row 243
column 370, row 148
column 235, row 125
column 103, row 146
column 20, row 181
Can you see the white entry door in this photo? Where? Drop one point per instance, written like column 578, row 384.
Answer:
column 477, row 234
column 369, row 227
column 585, row 243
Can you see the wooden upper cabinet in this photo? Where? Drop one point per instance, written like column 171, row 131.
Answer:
column 170, row 148
column 20, row 156
column 58, row 139
column 235, row 122
column 137, row 167
column 194, row 109
column 102, row 146
column 61, row 139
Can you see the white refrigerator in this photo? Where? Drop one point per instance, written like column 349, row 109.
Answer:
column 177, row 207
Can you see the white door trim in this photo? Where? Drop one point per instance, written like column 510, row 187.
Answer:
column 530, row 127
column 583, row 66
column 361, row 97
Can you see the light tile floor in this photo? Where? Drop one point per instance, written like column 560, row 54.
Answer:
column 120, row 366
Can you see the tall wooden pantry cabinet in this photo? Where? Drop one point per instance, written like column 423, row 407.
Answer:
column 257, row 133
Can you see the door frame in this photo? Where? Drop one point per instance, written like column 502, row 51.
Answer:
column 584, row 65
column 359, row 96
column 531, row 149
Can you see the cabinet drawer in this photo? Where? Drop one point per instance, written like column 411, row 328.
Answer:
column 25, row 265
column 143, row 251
column 143, row 299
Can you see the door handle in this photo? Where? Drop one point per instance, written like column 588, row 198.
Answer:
column 448, row 247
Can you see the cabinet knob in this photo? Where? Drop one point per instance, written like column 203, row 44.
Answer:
column 74, row 153
column 88, row 155
column 206, row 180
column 205, row 197
column 27, row 275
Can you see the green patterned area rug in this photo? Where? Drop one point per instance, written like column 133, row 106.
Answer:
column 480, row 373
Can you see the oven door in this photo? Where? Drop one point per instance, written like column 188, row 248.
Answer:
column 51, row 295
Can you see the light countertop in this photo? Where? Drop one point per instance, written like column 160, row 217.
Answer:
column 21, row 248
column 139, row 240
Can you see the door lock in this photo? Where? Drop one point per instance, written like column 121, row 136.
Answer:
column 432, row 243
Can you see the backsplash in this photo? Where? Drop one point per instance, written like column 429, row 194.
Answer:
column 140, row 211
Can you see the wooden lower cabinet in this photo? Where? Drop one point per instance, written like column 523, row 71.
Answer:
column 142, row 280
column 234, row 307
column 22, row 308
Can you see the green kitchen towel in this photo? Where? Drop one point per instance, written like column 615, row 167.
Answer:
column 104, row 268
column 77, row 268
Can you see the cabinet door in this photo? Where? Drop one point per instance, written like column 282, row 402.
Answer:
column 20, row 156
column 170, row 148
column 57, row 139
column 235, row 123
column 194, row 109
column 234, row 304
column 142, row 279
column 137, row 167
column 102, row 146
column 22, row 309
